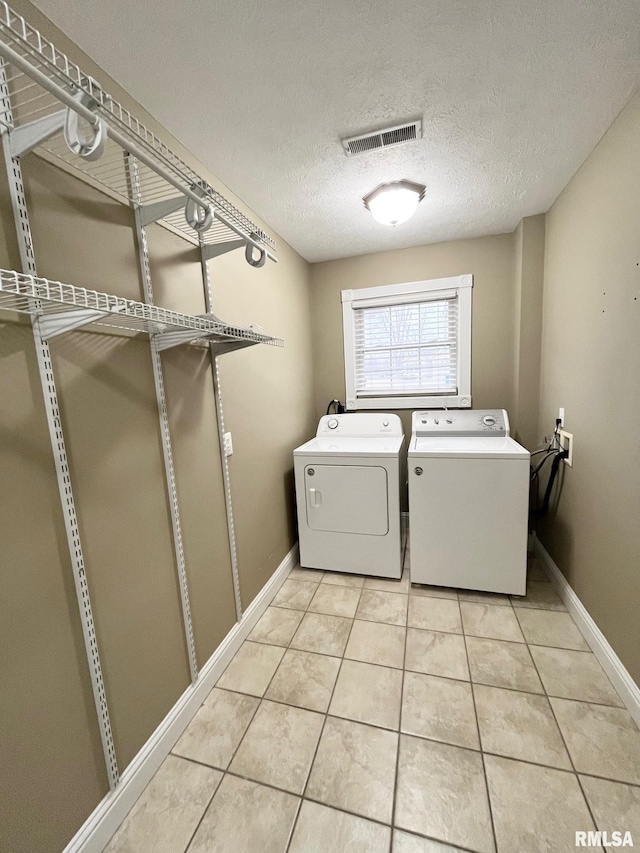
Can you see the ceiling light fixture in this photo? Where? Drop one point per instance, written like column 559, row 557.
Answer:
column 395, row 202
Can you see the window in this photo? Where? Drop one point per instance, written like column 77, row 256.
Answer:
column 408, row 346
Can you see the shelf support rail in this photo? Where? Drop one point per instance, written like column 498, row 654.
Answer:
column 226, row 476
column 56, row 436
column 78, row 107
column 145, row 272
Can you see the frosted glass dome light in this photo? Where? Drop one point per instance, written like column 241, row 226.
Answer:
column 393, row 203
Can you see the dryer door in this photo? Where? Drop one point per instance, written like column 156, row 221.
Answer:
column 347, row 499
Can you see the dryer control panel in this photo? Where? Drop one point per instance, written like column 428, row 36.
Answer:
column 461, row 422
column 360, row 424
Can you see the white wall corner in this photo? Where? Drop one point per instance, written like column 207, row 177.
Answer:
column 617, row 672
column 105, row 819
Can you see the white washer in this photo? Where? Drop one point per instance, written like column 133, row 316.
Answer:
column 348, row 495
column 468, row 501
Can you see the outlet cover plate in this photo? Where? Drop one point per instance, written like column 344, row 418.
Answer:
column 566, row 440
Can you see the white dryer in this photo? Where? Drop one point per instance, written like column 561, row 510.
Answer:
column 468, row 501
column 348, row 495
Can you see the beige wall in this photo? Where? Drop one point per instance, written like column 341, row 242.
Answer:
column 527, row 314
column 53, row 773
column 489, row 259
column 591, row 366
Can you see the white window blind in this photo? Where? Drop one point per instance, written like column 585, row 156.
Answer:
column 409, row 348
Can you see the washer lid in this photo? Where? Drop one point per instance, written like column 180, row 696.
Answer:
column 468, row 447
column 348, row 445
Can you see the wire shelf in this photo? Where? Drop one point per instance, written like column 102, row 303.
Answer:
column 30, row 101
column 77, row 307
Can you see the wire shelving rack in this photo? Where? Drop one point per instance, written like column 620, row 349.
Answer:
column 44, row 86
column 49, row 106
column 61, row 308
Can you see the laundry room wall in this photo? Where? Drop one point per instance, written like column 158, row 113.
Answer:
column 528, row 281
column 591, row 367
column 52, row 758
column 489, row 259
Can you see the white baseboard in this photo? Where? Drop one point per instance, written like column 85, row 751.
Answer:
column 609, row 660
column 101, row 824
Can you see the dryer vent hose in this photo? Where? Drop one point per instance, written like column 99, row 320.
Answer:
column 338, row 408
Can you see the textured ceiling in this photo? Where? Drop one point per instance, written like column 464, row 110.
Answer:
column 513, row 95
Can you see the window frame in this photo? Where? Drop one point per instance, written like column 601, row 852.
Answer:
column 401, row 294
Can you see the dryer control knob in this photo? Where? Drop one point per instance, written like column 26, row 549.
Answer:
column 385, row 423
column 332, row 424
column 488, row 420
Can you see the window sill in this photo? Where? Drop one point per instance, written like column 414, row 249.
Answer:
column 462, row 401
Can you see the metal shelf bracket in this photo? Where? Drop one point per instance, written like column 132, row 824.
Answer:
column 220, row 347
column 214, row 250
column 25, row 138
column 168, row 340
column 52, row 325
column 150, row 213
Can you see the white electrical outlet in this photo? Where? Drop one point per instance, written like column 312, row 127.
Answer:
column 566, row 440
column 561, row 416
column 228, row 444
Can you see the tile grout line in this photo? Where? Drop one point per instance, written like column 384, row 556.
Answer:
column 418, row 737
column 382, row 728
column 588, row 650
column 621, row 706
column 454, row 634
column 447, row 678
column 324, row 723
column 377, row 822
column 397, row 770
column 566, row 746
column 326, row 714
column 206, row 809
column 241, row 741
column 225, row 772
column 262, row 699
column 533, row 693
column 475, row 713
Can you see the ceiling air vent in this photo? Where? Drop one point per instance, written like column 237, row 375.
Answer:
column 388, row 137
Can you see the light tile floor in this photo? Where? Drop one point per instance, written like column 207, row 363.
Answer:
column 372, row 716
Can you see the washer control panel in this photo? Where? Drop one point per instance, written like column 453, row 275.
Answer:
column 360, row 424
column 461, row 422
